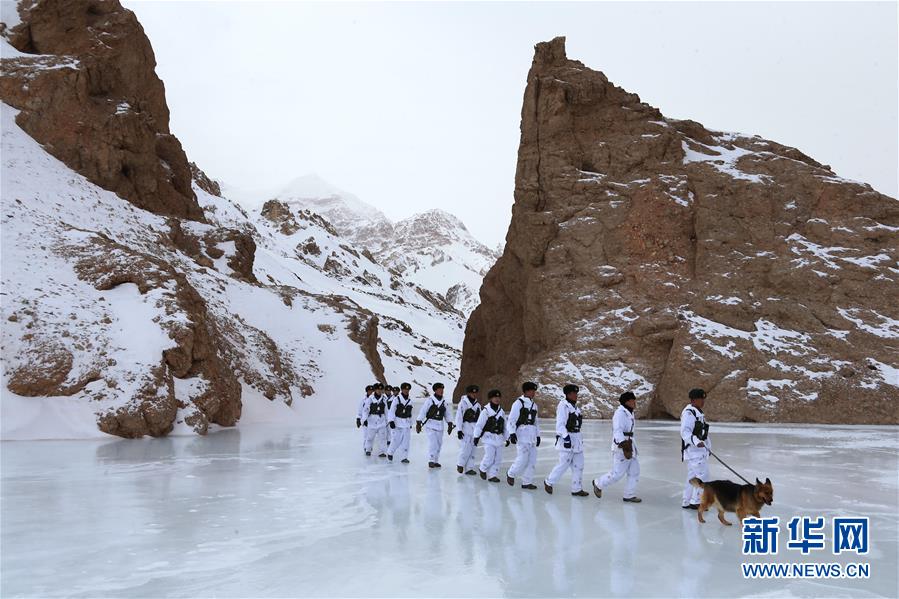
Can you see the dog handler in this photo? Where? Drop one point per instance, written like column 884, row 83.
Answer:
column 695, row 446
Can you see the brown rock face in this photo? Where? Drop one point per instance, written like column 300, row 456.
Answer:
column 197, row 353
column 91, row 96
column 654, row 255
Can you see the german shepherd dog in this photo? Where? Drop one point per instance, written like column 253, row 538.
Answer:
column 727, row 496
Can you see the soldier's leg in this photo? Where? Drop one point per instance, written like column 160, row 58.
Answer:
column 619, row 469
column 465, row 450
column 701, row 471
column 487, row 460
column 527, row 477
column 382, row 439
column 577, row 471
column 563, row 465
column 438, row 437
column 521, row 457
column 401, row 443
column 472, row 457
column 368, row 438
column 688, row 488
column 433, row 447
column 497, row 461
column 633, row 477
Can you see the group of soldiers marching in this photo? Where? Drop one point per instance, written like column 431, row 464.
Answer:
column 385, row 414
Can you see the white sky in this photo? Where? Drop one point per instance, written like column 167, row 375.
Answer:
column 417, row 105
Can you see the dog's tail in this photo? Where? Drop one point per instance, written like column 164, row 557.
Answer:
column 697, row 483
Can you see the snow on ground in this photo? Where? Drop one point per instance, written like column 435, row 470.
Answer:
column 270, row 510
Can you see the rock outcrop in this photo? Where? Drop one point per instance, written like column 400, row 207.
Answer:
column 654, row 255
column 91, row 58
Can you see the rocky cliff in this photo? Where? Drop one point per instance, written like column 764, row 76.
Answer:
column 655, row 255
column 137, row 300
column 91, row 58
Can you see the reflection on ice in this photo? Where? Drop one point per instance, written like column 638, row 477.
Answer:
column 275, row 512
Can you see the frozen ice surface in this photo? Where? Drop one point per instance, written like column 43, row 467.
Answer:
column 267, row 511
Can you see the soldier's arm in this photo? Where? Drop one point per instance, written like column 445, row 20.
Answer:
column 460, row 410
column 688, row 421
column 479, row 425
column 423, row 411
column 618, row 427
column 391, row 411
column 561, row 420
column 513, row 418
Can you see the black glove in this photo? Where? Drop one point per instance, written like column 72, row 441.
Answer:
column 418, row 427
column 567, row 443
column 449, row 428
column 513, row 438
column 392, row 424
column 538, row 441
column 476, row 441
column 507, row 442
column 460, row 434
column 358, row 422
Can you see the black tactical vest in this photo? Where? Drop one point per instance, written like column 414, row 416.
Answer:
column 377, row 407
column 436, row 412
column 403, row 410
column 700, row 429
column 573, row 425
column 526, row 416
column 495, row 424
column 472, row 413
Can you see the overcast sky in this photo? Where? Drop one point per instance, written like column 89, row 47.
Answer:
column 417, row 105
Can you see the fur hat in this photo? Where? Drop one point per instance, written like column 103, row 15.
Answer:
column 626, row 396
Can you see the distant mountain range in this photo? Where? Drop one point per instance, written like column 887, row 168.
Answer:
column 433, row 249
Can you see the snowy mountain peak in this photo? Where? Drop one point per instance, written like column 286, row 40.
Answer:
column 435, row 219
column 343, row 209
column 433, row 249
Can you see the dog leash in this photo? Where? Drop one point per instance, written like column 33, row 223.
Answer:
column 728, row 467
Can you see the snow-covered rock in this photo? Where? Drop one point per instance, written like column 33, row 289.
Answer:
column 433, row 249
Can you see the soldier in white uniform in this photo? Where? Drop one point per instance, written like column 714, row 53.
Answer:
column 695, row 446
column 399, row 420
column 362, row 402
column 389, row 393
column 374, row 418
column 524, row 433
column 467, row 414
column 569, row 443
column 491, row 427
column 433, row 413
column 624, row 451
